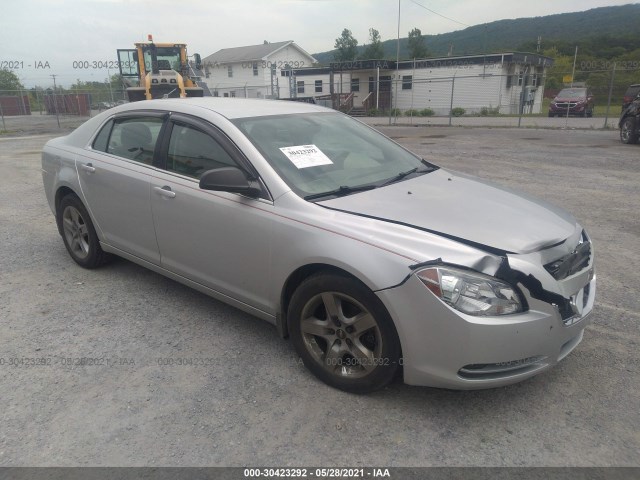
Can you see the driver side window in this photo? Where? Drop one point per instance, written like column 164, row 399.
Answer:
column 193, row 152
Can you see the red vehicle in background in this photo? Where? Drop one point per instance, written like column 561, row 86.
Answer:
column 577, row 101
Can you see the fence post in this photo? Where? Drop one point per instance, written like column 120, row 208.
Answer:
column 453, row 82
column 4, row 125
column 522, row 92
column 23, row 110
column 606, row 115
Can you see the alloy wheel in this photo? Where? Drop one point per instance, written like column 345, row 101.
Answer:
column 341, row 335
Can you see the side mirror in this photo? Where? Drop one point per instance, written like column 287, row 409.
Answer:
column 229, row 179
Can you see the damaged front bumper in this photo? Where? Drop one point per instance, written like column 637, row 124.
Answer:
column 443, row 347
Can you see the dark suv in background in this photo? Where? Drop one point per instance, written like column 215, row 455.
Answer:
column 575, row 100
column 630, row 95
column 630, row 119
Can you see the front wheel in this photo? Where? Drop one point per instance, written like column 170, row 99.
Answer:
column 628, row 133
column 78, row 234
column 343, row 333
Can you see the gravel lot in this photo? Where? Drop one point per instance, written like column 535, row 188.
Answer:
column 248, row 400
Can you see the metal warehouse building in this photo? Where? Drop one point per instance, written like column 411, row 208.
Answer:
column 502, row 83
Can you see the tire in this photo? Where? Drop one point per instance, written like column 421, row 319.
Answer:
column 78, row 234
column 628, row 132
column 356, row 347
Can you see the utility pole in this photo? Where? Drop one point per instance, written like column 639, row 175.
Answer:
column 394, row 104
column 55, row 99
column 110, row 90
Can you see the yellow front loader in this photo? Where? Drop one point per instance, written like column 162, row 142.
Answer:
column 158, row 70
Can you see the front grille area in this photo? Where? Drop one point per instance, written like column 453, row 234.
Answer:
column 493, row 371
column 573, row 262
column 566, row 104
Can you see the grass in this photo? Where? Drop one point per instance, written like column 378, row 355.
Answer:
column 598, row 110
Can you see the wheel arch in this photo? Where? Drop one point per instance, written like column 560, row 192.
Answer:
column 62, row 192
column 294, row 280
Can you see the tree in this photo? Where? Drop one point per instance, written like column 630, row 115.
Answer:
column 346, row 47
column 374, row 50
column 562, row 66
column 9, row 83
column 416, row 44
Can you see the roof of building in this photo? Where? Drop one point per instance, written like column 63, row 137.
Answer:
column 457, row 61
column 249, row 53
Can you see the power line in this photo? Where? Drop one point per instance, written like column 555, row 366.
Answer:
column 439, row 14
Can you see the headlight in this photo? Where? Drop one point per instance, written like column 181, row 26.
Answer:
column 471, row 293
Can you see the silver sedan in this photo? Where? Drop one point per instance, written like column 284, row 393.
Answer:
column 373, row 261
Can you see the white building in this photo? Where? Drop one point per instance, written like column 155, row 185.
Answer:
column 500, row 83
column 255, row 71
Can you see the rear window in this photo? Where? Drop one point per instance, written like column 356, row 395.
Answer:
column 135, row 138
column 632, row 91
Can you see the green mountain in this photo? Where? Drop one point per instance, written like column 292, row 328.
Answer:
column 620, row 25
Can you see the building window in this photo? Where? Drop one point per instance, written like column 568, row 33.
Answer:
column 318, row 86
column 372, row 84
column 230, row 71
column 300, row 87
column 255, row 69
column 520, row 78
column 215, row 93
column 233, row 94
column 534, row 80
column 407, row 80
column 355, row 84
column 285, row 73
column 226, row 94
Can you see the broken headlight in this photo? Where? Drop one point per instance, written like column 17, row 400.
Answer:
column 471, row 293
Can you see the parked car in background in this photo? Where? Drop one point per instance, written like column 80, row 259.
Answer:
column 374, row 261
column 630, row 95
column 577, row 101
column 630, row 122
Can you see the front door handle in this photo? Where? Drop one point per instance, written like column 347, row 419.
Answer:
column 165, row 191
column 87, row 167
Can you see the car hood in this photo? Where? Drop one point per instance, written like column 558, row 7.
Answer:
column 465, row 209
column 570, row 99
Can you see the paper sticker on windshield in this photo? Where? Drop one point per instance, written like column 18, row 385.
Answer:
column 305, row 156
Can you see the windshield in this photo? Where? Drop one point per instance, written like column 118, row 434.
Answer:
column 572, row 93
column 329, row 153
column 167, row 57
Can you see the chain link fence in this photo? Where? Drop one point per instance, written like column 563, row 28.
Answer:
column 488, row 96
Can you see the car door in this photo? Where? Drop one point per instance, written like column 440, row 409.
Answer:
column 218, row 239
column 115, row 176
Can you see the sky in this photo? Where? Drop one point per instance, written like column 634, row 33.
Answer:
column 40, row 38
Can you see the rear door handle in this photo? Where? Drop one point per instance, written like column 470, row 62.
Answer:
column 87, row 167
column 165, row 191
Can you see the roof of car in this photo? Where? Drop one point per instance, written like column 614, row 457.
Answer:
column 227, row 107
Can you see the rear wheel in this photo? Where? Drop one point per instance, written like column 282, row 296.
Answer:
column 343, row 333
column 78, row 234
column 628, row 133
